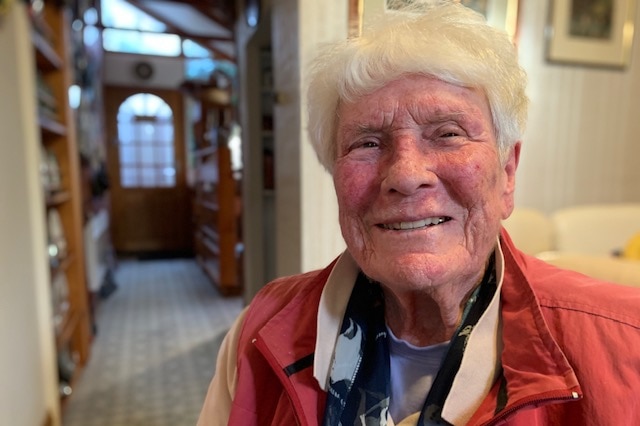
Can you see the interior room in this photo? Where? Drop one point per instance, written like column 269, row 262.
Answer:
column 127, row 158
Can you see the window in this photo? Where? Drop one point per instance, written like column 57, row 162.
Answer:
column 192, row 49
column 130, row 30
column 121, row 14
column 146, row 146
column 127, row 29
column 115, row 40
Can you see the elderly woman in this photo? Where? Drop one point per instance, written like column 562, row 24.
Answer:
column 431, row 316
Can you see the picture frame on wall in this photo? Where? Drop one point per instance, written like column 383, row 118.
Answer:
column 5, row 5
column 501, row 14
column 591, row 32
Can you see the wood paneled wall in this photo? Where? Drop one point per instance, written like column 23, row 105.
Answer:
column 582, row 143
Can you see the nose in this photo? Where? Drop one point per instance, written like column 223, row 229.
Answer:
column 408, row 169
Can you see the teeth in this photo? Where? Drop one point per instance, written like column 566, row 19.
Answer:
column 415, row 225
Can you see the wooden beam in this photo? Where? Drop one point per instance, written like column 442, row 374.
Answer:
column 205, row 41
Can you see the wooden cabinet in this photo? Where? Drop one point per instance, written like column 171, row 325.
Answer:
column 217, row 200
column 60, row 173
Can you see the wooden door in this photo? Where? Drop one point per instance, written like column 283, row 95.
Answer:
column 150, row 207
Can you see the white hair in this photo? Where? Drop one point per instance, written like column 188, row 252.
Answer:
column 437, row 38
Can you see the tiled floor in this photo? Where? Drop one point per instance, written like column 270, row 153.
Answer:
column 154, row 353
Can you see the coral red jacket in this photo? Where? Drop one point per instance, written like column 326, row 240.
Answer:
column 571, row 353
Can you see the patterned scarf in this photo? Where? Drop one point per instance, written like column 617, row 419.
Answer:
column 359, row 383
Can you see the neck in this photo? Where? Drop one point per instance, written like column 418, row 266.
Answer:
column 425, row 317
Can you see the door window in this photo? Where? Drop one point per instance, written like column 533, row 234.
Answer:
column 145, row 142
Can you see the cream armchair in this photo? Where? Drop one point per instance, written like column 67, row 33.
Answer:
column 606, row 268
column 531, row 230
column 600, row 229
column 581, row 238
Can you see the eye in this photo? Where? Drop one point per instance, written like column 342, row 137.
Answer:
column 363, row 144
column 449, row 132
column 369, row 144
column 449, row 135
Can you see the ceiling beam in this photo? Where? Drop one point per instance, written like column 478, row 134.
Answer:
column 207, row 42
column 220, row 11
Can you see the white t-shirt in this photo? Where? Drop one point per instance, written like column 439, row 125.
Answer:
column 413, row 370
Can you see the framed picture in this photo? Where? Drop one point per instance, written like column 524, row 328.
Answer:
column 5, row 5
column 591, row 32
column 501, row 14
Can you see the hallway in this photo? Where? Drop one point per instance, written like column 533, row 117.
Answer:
column 154, row 353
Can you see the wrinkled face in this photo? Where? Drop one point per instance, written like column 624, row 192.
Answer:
column 420, row 186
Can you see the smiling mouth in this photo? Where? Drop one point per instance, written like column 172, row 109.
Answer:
column 418, row 224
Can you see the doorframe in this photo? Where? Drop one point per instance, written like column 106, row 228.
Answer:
column 182, row 161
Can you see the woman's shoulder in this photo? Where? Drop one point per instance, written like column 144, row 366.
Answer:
column 287, row 295
column 574, row 292
column 287, row 288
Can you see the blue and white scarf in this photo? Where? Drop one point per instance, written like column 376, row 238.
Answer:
column 359, row 383
column 359, row 386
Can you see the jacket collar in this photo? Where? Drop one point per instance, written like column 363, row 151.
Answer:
column 480, row 365
column 332, row 306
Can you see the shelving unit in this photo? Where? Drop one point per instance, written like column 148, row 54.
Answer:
column 216, row 200
column 60, row 171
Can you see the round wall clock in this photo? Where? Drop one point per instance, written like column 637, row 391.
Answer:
column 143, row 70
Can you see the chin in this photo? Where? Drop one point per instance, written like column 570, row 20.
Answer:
column 415, row 271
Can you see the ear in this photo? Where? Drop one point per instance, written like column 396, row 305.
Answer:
column 510, row 166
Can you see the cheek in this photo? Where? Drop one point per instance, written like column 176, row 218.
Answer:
column 477, row 185
column 354, row 186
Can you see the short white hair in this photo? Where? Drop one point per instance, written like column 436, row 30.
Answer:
column 437, row 38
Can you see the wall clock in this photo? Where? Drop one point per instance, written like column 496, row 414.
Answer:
column 143, row 70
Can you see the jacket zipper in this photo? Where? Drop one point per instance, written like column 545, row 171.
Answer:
column 279, row 373
column 574, row 396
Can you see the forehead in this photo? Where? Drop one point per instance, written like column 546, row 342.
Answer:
column 415, row 94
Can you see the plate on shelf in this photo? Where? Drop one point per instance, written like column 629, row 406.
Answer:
column 59, row 300
column 57, row 240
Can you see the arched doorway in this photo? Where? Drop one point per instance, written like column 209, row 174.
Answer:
column 150, row 210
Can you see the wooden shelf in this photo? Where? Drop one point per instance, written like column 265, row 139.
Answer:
column 56, row 123
column 52, row 127
column 211, row 268
column 209, row 232
column 69, row 325
column 203, row 152
column 63, row 266
column 213, row 206
column 57, row 198
column 47, row 58
column 216, row 193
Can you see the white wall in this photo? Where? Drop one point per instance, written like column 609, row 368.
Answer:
column 168, row 73
column 582, row 143
column 320, row 22
column 255, row 233
column 28, row 388
column 308, row 234
column 288, row 136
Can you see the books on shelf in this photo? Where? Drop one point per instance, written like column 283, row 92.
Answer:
column 50, row 175
column 59, row 301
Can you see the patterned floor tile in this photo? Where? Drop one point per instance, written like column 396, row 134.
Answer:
column 155, row 349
